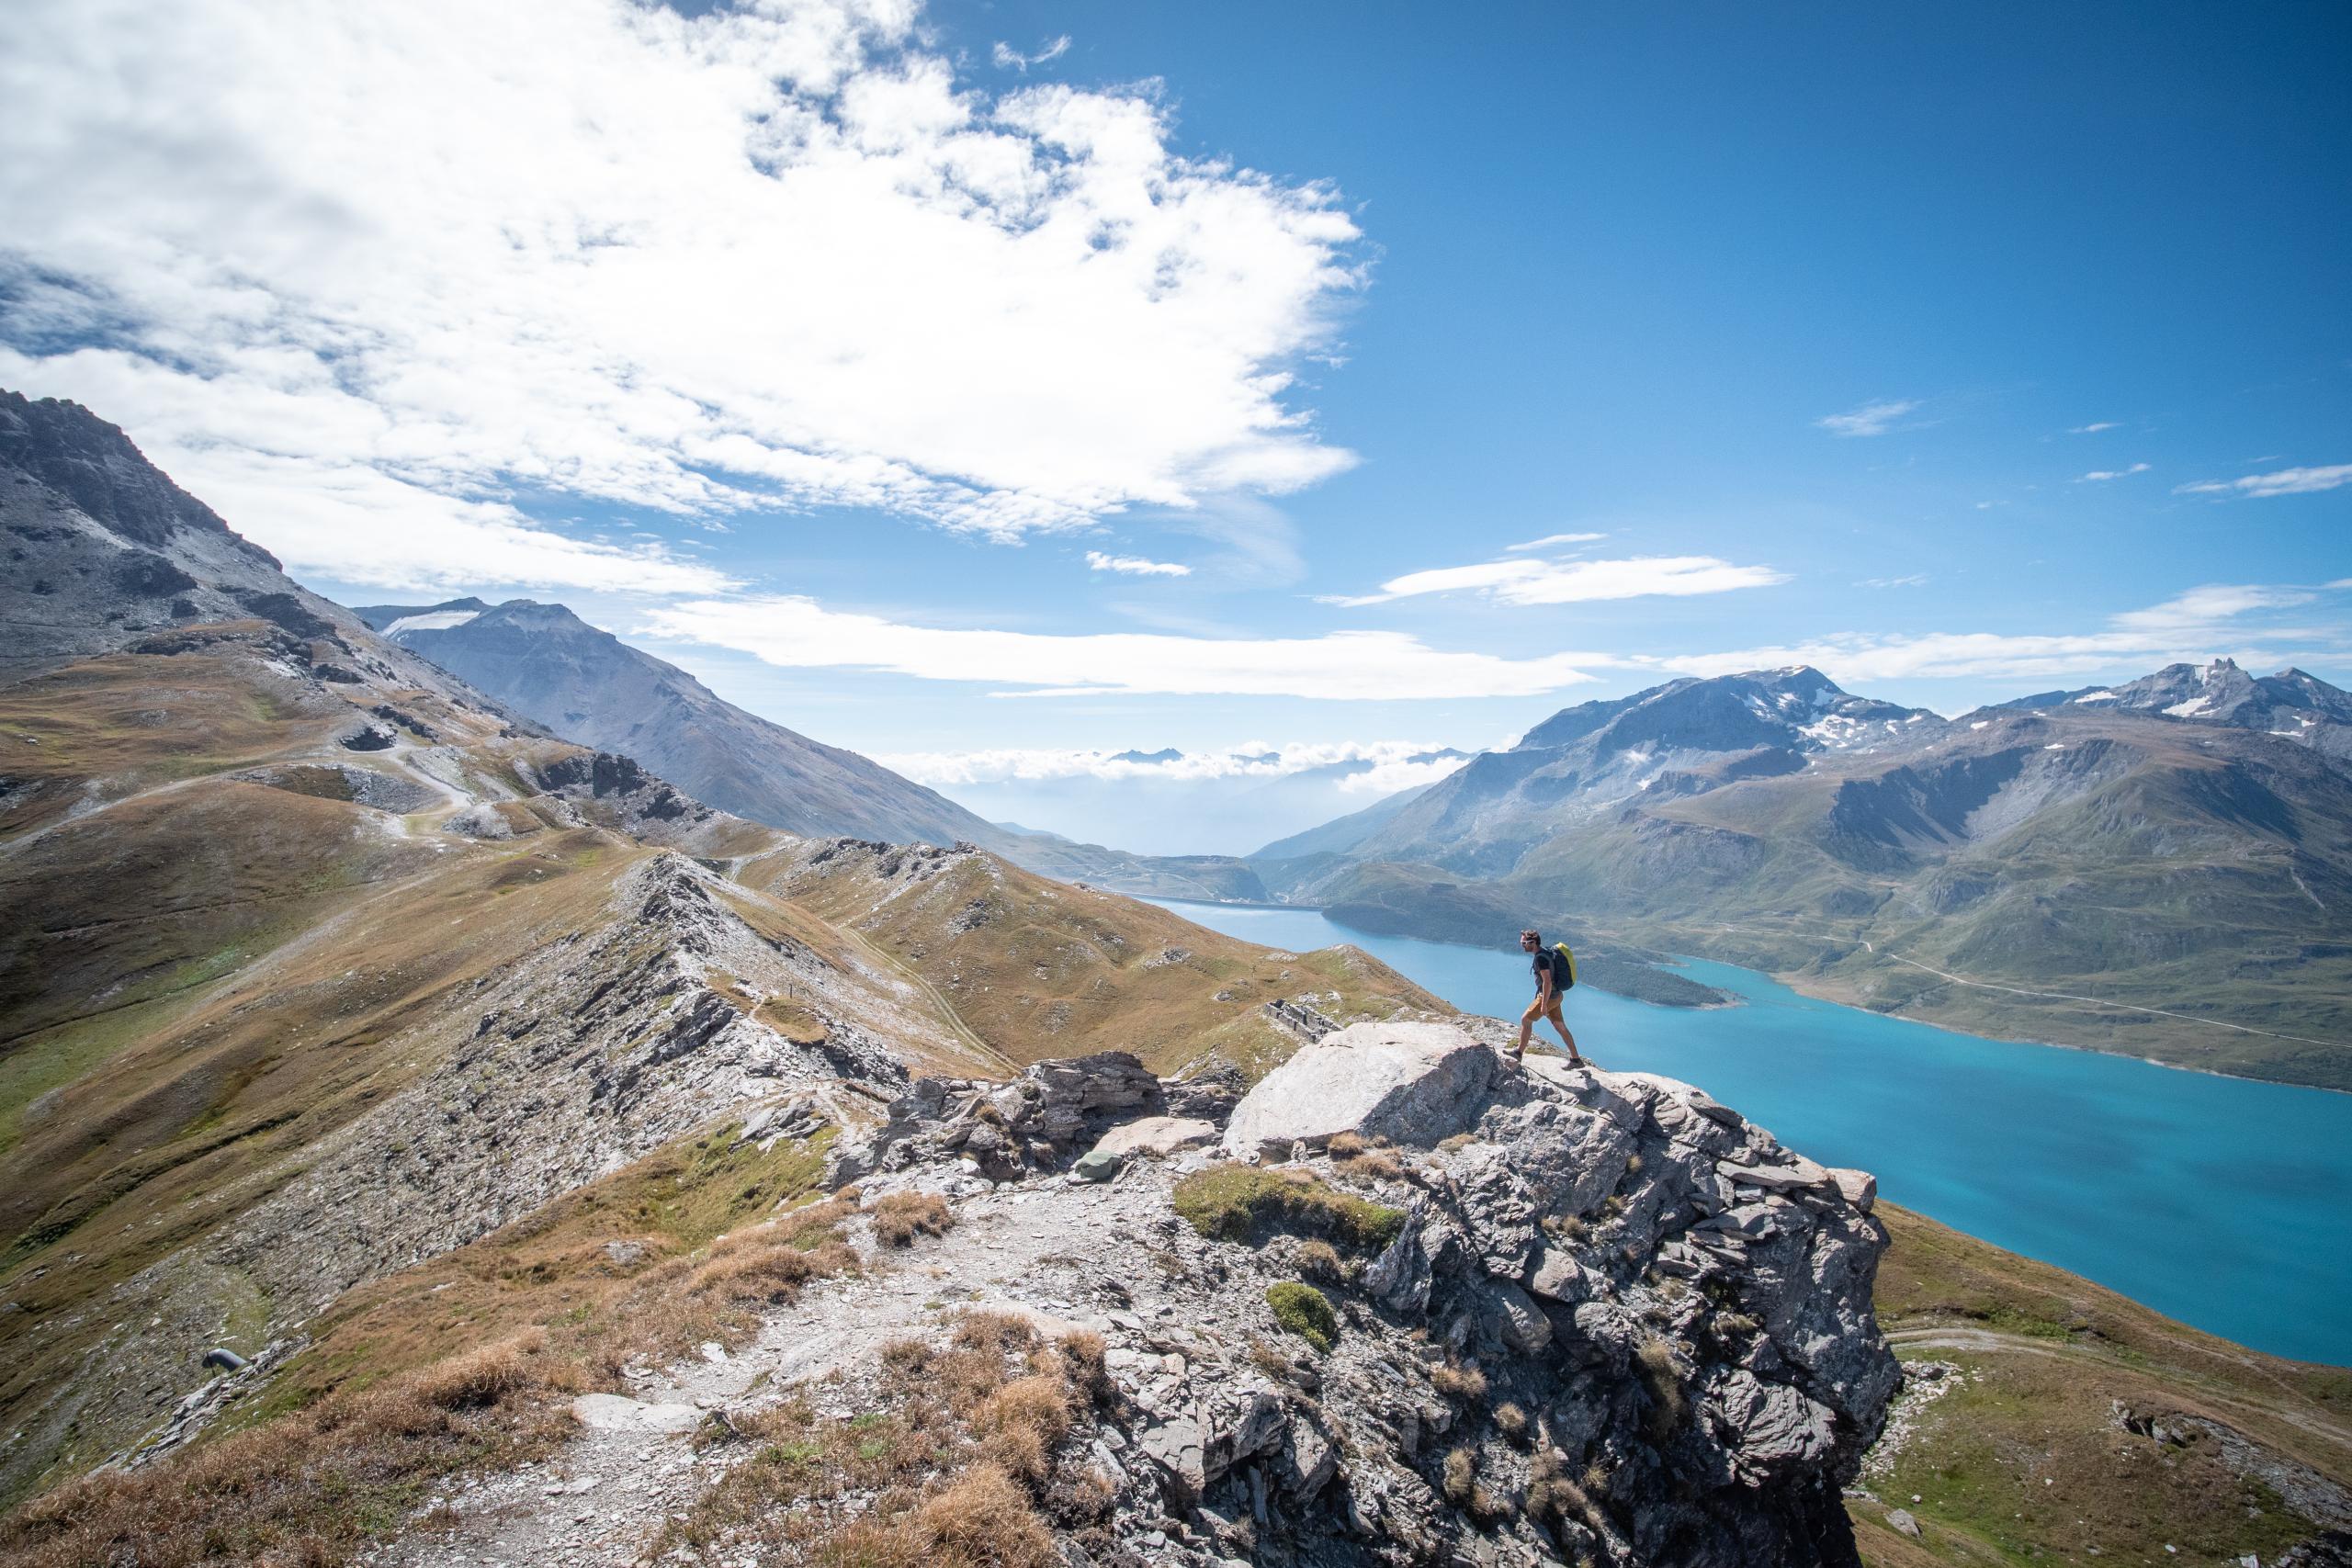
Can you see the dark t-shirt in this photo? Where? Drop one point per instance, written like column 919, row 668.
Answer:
column 1548, row 961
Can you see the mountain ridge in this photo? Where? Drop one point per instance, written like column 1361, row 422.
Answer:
column 2112, row 867
column 583, row 682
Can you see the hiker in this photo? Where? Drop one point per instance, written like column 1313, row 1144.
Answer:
column 1555, row 971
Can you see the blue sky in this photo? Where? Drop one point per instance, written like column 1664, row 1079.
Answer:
column 1965, row 352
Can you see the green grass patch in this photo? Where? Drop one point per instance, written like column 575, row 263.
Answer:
column 1305, row 1311
column 1244, row 1203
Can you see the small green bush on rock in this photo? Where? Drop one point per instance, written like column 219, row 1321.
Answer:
column 1306, row 1312
column 1241, row 1203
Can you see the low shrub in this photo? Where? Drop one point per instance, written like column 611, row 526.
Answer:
column 1306, row 1312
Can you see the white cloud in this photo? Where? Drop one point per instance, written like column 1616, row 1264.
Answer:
column 1375, row 765
column 449, row 254
column 2093, row 427
column 1571, row 582
column 799, row 633
column 1548, row 540
column 1914, row 581
column 1008, row 58
column 2098, row 475
column 2190, row 626
column 1136, row 566
column 1870, row 419
column 2285, row 481
column 2213, row 605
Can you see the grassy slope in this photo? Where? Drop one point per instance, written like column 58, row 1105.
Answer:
column 2022, row 1462
column 1036, row 968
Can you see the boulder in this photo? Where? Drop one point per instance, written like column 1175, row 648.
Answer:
column 1858, row 1188
column 1157, row 1136
column 1518, row 1322
column 1176, row 1446
column 1414, row 1083
column 1097, row 1165
column 1558, row 1276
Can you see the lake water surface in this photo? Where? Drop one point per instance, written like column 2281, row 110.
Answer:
column 2222, row 1202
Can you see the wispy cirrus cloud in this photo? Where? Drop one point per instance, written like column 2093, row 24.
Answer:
column 1572, row 582
column 1136, row 566
column 2283, row 481
column 2099, row 476
column 1008, row 58
column 2093, row 427
column 1549, row 540
column 1915, row 579
column 1870, row 419
column 2236, row 618
column 799, row 633
column 770, row 255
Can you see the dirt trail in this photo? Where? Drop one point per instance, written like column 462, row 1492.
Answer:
column 1986, row 1339
column 602, row 1500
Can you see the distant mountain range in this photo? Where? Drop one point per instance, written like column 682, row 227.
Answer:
column 587, row 685
column 2052, row 868
column 1170, row 801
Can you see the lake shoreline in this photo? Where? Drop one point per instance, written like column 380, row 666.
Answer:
column 2193, row 1191
column 1810, row 986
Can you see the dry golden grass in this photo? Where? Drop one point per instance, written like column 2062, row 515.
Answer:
column 1460, row 1381
column 1373, row 1165
column 1654, row 1358
column 307, row 1489
column 350, row 1437
column 957, row 1455
column 899, row 1217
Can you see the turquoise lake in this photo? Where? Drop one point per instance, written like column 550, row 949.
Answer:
column 2222, row 1202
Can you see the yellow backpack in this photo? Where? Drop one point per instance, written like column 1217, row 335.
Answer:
column 1569, row 960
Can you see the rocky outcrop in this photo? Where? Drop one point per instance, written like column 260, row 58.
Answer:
column 1610, row 1321
column 1043, row 1119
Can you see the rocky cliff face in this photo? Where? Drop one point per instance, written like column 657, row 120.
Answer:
column 1549, row 1315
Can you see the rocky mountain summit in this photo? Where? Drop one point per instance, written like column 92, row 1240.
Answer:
column 1401, row 1304
column 2291, row 703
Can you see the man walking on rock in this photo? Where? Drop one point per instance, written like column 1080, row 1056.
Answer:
column 1554, row 972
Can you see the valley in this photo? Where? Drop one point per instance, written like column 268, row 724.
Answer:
column 393, row 1089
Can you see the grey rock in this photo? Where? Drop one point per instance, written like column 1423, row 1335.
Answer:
column 1157, row 1136
column 1415, row 1083
column 1518, row 1322
column 1097, row 1165
column 1176, row 1446
column 1858, row 1188
column 1900, row 1520
column 1775, row 1428
column 1558, row 1277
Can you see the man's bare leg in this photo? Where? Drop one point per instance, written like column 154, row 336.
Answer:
column 1575, row 1059
column 1526, row 1027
